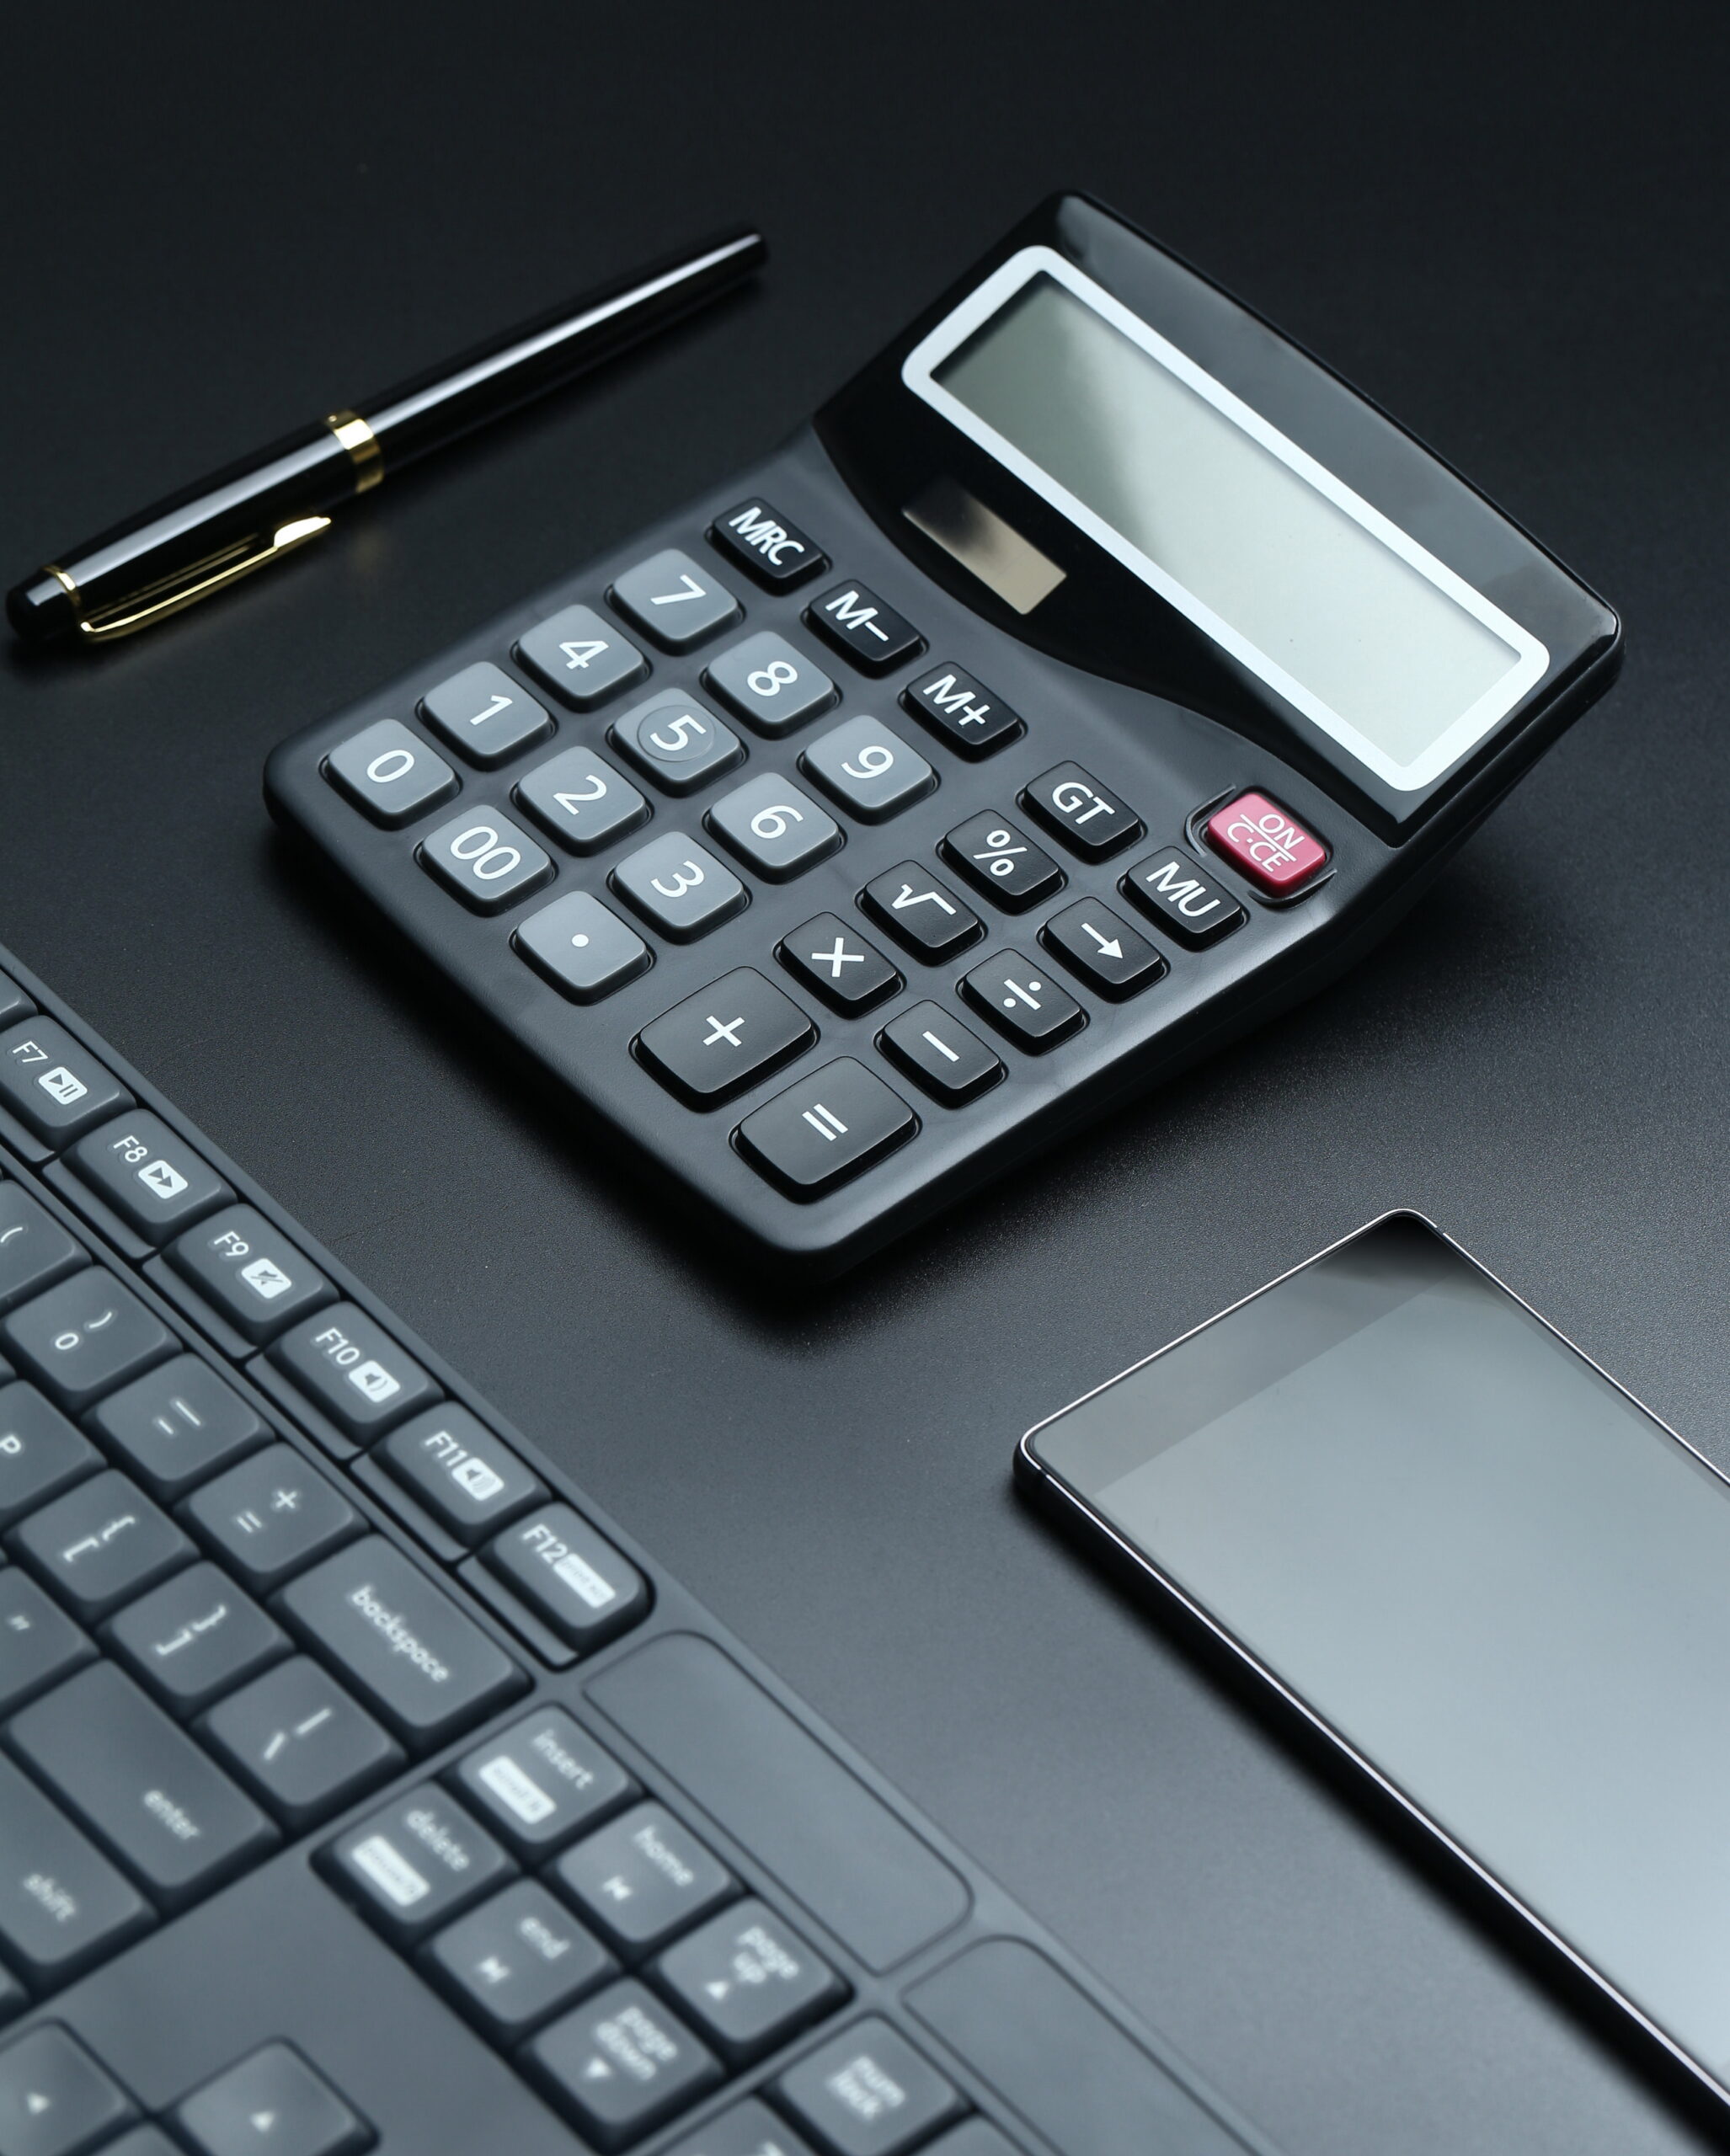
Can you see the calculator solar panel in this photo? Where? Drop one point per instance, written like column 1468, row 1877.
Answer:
column 884, row 813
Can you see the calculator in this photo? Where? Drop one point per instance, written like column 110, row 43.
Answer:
column 1096, row 675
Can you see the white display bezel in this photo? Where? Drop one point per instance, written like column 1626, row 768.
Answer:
column 1473, row 725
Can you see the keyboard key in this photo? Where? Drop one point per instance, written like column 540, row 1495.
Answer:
column 1264, row 842
column 677, row 742
column 997, row 857
column 143, row 2141
column 13, row 1003
column 85, row 1337
column 485, row 860
column 63, row 1904
column 571, row 1577
column 580, row 658
column 825, row 956
column 960, row 712
column 974, row 2137
column 418, row 1863
column 52, row 1083
column 867, row 2092
column 678, row 887
column 34, row 1250
column 673, row 599
column 176, row 1425
column 249, row 1272
column 194, row 1638
column 398, row 1640
column 921, row 913
column 941, row 1055
column 1103, row 949
column 761, row 539
column 1072, row 804
column 869, row 769
column 1023, row 1001
column 581, row 946
column 351, row 1368
column 99, row 1545
column 749, row 2129
column 272, row 2104
column 831, row 1125
column 13, row 2000
column 517, row 1961
column 866, row 627
column 746, row 1981
column 620, row 2066
column 54, row 2099
column 541, row 1783
column 390, row 774
column 148, row 1174
column 268, row 1517
column 40, row 1452
column 643, row 1878
column 1186, row 902
column 578, row 799
column 467, row 1478
column 770, row 683
column 140, row 1785
column 723, row 1038
column 300, row 1743
column 774, row 828
column 485, row 715
column 39, row 1643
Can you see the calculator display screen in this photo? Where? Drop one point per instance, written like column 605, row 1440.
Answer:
column 1396, row 659
column 1499, row 1580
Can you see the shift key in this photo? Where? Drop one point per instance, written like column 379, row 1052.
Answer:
column 400, row 1641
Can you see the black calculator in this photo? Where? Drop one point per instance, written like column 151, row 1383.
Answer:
column 1096, row 675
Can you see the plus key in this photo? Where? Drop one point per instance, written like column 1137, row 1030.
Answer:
column 715, row 1043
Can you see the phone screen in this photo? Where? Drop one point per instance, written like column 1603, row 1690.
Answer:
column 1487, row 1571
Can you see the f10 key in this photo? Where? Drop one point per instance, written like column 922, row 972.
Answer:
column 1094, row 673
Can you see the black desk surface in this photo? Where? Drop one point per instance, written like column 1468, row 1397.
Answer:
column 1509, row 229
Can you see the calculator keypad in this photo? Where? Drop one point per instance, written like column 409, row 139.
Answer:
column 390, row 774
column 833, row 961
column 678, row 887
column 724, row 1037
column 921, row 912
column 582, row 659
column 1023, row 1001
column 774, row 828
column 768, row 825
column 579, row 800
column 582, row 948
column 483, row 858
column 673, row 599
column 1184, row 898
column 868, row 769
column 677, row 742
column 998, row 858
column 770, row 685
column 831, row 1125
column 485, row 715
column 971, row 720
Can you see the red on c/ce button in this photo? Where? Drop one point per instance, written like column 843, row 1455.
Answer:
column 1267, row 844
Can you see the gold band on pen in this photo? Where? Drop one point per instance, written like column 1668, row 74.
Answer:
column 66, row 584
column 352, row 431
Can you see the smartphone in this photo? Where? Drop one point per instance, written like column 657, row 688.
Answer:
column 1493, row 1579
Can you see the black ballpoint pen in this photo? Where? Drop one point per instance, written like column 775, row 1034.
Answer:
column 221, row 529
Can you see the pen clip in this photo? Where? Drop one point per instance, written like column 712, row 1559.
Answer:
column 169, row 593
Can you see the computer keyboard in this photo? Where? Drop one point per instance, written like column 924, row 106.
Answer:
column 362, row 1786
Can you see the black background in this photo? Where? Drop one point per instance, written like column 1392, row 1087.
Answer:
column 1508, row 226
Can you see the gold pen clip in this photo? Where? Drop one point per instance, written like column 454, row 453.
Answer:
column 169, row 593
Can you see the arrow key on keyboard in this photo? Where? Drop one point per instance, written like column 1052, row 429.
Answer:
column 272, row 2104
column 54, row 2099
